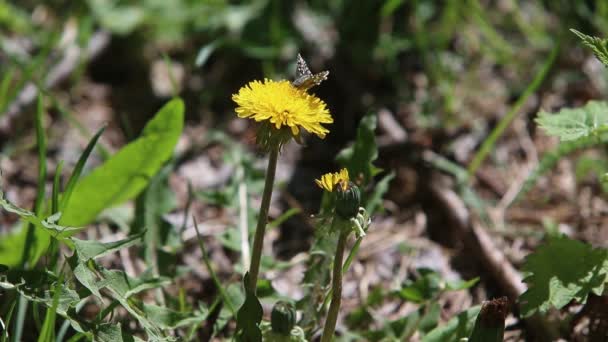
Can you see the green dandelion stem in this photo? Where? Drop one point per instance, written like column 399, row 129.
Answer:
column 345, row 267
column 336, row 288
column 258, row 241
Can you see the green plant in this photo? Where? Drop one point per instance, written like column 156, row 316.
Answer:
column 133, row 247
column 564, row 270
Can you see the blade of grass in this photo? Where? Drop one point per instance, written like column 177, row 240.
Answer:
column 497, row 132
column 189, row 201
column 56, row 188
column 214, row 276
column 53, row 250
column 19, row 322
column 34, row 68
column 4, row 89
column 78, row 169
column 41, row 142
column 172, row 79
column 284, row 217
column 77, row 337
column 36, row 316
column 47, row 332
column 497, row 44
column 7, row 324
column 243, row 209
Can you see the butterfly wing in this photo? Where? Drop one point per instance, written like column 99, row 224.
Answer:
column 304, row 78
column 302, row 69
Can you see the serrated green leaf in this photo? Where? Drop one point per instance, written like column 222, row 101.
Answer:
column 359, row 157
column 599, row 46
column 560, row 271
column 109, row 332
column 87, row 250
column 171, row 319
column 11, row 245
column 86, row 277
column 127, row 173
column 572, row 124
column 126, row 286
column 122, row 287
column 34, row 291
column 456, row 328
column 92, row 249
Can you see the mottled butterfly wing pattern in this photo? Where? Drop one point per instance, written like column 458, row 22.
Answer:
column 304, row 78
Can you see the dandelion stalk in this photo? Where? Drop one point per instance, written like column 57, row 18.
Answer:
column 346, row 219
column 283, row 109
column 258, row 241
column 336, row 287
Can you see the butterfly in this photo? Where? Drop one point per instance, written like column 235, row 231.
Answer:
column 304, row 78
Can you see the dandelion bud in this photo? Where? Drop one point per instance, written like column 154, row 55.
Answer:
column 348, row 200
column 283, row 318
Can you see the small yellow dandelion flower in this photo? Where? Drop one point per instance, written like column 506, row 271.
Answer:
column 329, row 180
column 283, row 105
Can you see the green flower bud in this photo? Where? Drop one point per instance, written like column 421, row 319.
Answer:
column 283, row 318
column 348, row 200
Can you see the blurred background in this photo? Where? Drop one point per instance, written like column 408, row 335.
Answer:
column 439, row 75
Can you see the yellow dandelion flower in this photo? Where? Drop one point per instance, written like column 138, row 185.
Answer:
column 329, row 180
column 283, row 105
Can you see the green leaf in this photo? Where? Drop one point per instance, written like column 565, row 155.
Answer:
column 599, row 46
column 125, row 286
column 31, row 285
column 461, row 284
column 122, row 287
column 404, row 327
column 560, row 271
column 92, row 249
column 127, row 173
column 430, row 318
column 87, row 250
column 171, row 319
column 359, row 157
column 374, row 200
column 572, row 124
column 118, row 19
column 425, row 287
column 249, row 316
column 11, row 245
column 455, row 329
column 86, row 276
column 109, row 332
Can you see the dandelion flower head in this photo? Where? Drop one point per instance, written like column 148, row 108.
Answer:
column 283, row 106
column 329, row 180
